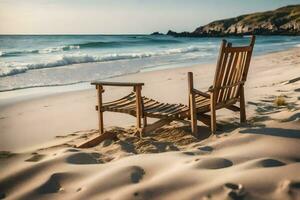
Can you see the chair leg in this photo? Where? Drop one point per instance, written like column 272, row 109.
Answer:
column 192, row 105
column 141, row 132
column 101, row 129
column 242, row 105
column 100, row 112
column 213, row 123
column 144, row 121
column 138, row 106
column 194, row 126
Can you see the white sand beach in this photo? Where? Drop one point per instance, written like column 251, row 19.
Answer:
column 259, row 160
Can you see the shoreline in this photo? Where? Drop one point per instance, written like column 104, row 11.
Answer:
column 30, row 92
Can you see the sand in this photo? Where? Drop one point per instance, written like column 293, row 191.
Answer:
column 259, row 160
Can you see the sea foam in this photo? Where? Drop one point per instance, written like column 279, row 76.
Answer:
column 9, row 69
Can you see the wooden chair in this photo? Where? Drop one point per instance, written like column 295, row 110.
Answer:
column 227, row 89
column 136, row 105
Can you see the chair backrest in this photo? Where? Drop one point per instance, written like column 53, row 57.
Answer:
column 232, row 69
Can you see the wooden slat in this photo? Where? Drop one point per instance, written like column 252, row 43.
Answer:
column 122, row 110
column 200, row 98
column 220, row 60
column 226, row 103
column 160, row 110
column 131, row 95
column 160, row 105
column 156, row 125
column 239, row 74
column 131, row 106
column 235, row 73
column 220, row 78
column 202, row 105
column 97, row 139
column 219, row 66
column 227, row 80
column 171, row 109
column 178, row 110
column 225, row 76
column 122, row 84
column 231, row 74
column 124, row 103
column 201, row 101
column 150, row 104
column 238, row 49
column 249, row 58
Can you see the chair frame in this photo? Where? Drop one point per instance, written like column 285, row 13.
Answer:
column 216, row 91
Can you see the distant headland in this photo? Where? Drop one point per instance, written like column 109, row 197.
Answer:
column 282, row 21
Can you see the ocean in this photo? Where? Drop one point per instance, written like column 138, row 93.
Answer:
column 49, row 60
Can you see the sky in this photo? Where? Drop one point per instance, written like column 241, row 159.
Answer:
column 121, row 16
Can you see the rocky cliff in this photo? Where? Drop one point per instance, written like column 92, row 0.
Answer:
column 282, row 21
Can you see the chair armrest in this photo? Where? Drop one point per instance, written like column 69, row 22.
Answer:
column 201, row 93
column 121, row 84
column 211, row 89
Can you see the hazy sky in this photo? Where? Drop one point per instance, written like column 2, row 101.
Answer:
column 121, row 16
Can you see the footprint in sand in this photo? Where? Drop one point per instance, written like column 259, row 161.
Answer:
column 234, row 191
column 135, row 194
column 6, row 154
column 270, row 163
column 295, row 185
column 290, row 187
column 206, row 148
column 35, row 157
column 194, row 153
column 127, row 146
column 213, row 163
column 71, row 150
column 137, row 174
column 52, row 185
column 84, row 158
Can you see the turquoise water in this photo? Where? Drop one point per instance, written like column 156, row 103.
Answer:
column 45, row 60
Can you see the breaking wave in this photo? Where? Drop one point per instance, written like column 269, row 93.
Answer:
column 41, row 51
column 9, row 69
